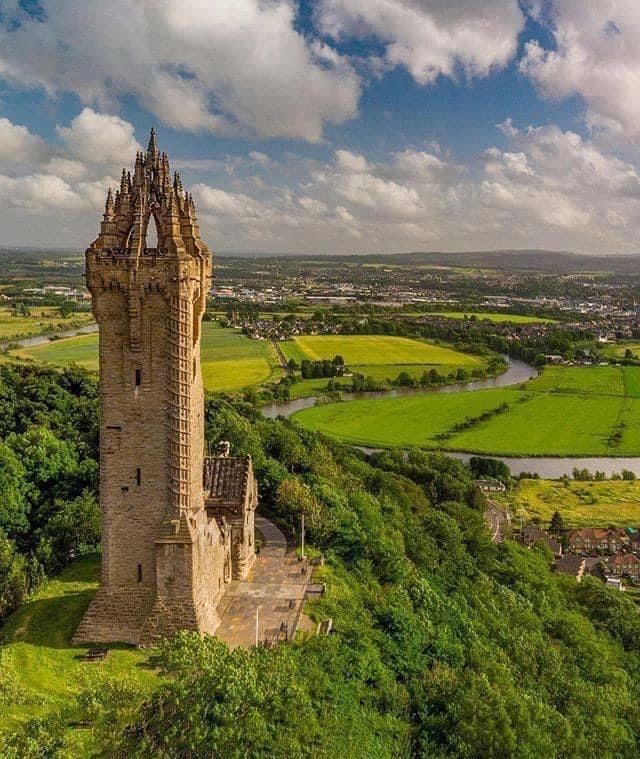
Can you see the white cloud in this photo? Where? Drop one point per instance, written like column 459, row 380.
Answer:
column 38, row 193
column 257, row 157
column 100, row 138
column 18, row 146
column 430, row 37
column 353, row 162
column 232, row 65
column 597, row 56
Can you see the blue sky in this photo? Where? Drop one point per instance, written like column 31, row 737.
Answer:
column 333, row 126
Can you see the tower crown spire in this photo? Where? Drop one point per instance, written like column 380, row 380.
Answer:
column 150, row 190
column 152, row 148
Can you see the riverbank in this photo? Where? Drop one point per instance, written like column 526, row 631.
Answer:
column 566, row 407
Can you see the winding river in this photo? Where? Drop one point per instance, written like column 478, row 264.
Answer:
column 517, row 373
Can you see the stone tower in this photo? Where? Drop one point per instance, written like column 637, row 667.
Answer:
column 165, row 561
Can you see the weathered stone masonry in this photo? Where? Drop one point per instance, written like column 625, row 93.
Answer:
column 167, row 555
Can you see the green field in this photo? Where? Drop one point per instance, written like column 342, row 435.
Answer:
column 81, row 350
column 230, row 361
column 497, row 317
column 370, row 350
column 617, row 350
column 581, row 504
column 567, row 411
column 43, row 319
column 380, row 357
column 40, row 670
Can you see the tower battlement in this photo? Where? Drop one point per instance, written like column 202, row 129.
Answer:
column 165, row 560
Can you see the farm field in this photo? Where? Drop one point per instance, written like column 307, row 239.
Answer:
column 39, row 664
column 581, row 504
column 381, row 357
column 413, row 420
column 81, row 350
column 369, row 350
column 230, row 361
column 617, row 350
column 497, row 317
column 43, row 319
column 568, row 411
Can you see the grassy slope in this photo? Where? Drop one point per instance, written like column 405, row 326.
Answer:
column 37, row 657
column 230, row 361
column 566, row 411
column 592, row 504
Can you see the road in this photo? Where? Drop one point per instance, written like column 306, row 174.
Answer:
column 497, row 519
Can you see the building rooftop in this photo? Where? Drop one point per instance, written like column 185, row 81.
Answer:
column 227, row 478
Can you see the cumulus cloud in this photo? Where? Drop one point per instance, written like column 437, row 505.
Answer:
column 430, row 37
column 547, row 187
column 596, row 55
column 231, row 66
column 18, row 146
column 99, row 138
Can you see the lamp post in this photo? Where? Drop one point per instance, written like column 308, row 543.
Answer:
column 302, row 537
column 258, row 624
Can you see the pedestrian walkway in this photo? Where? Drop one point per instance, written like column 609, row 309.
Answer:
column 273, row 593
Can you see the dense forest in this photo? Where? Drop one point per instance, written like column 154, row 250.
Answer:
column 444, row 645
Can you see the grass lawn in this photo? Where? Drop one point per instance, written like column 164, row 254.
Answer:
column 40, row 671
column 498, row 317
column 42, row 319
column 582, row 504
column 370, row 350
column 230, row 361
column 568, row 411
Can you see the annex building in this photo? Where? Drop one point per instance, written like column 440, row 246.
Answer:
column 177, row 526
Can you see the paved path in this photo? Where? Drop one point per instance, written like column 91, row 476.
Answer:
column 275, row 589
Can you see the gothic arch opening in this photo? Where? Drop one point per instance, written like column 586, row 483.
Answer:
column 153, row 235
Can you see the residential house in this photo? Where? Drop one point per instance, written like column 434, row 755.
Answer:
column 624, row 564
column 596, row 540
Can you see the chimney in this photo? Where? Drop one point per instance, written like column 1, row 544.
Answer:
column 224, row 448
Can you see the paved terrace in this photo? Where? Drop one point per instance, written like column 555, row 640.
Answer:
column 276, row 587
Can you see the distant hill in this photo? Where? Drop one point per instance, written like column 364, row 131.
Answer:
column 549, row 261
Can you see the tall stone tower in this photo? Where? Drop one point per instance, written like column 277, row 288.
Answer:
column 165, row 561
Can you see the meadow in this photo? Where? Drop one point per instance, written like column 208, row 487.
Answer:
column 567, row 411
column 230, row 360
column 581, row 504
column 381, row 357
column 496, row 317
column 43, row 319
column 375, row 350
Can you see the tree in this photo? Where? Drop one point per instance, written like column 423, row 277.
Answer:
column 556, row 526
column 493, row 468
column 14, row 507
column 13, row 577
